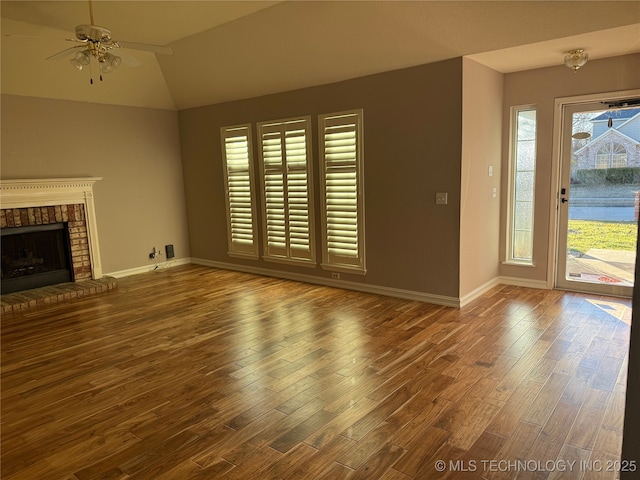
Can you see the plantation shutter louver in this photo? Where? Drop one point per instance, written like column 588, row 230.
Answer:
column 241, row 223
column 286, row 182
column 343, row 215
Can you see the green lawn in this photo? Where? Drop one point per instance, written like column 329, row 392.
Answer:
column 587, row 234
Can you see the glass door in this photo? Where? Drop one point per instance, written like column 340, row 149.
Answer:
column 598, row 198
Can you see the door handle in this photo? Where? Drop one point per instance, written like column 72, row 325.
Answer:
column 564, row 200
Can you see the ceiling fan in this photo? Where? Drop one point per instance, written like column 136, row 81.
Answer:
column 96, row 43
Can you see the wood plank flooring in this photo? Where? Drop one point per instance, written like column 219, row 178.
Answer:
column 199, row 373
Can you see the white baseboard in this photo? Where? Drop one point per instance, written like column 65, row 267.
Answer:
column 515, row 281
column 523, row 282
column 478, row 292
column 149, row 268
column 329, row 282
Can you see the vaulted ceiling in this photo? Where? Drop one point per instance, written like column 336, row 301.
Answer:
column 227, row 50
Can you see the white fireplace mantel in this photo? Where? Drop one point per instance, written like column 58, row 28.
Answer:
column 24, row 193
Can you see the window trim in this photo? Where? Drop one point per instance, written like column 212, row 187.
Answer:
column 358, row 266
column 234, row 250
column 511, row 200
column 287, row 258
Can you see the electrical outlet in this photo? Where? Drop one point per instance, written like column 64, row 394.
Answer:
column 335, row 275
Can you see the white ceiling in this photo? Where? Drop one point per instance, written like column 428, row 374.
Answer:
column 227, row 50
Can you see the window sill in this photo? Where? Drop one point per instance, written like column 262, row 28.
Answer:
column 344, row 269
column 248, row 256
column 290, row 261
column 518, row 264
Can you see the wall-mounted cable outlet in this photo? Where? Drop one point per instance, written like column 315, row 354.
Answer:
column 152, row 255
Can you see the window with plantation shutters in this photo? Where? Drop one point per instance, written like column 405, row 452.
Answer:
column 238, row 176
column 340, row 140
column 287, row 197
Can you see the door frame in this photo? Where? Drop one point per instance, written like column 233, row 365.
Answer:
column 560, row 105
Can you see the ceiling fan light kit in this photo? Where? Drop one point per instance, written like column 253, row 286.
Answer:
column 81, row 59
column 97, row 45
column 109, row 63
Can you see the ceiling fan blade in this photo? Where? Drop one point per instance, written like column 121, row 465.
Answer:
column 18, row 36
column 146, row 47
column 129, row 60
column 64, row 53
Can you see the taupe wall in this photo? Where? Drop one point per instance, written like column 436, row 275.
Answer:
column 481, row 148
column 140, row 202
column 541, row 87
column 412, row 149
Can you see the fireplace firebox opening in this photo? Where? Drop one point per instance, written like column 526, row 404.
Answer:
column 35, row 256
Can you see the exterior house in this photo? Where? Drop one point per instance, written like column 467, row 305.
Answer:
column 614, row 146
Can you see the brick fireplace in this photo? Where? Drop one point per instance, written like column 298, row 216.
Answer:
column 72, row 214
column 28, row 203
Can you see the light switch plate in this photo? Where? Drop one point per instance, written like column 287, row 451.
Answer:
column 441, row 198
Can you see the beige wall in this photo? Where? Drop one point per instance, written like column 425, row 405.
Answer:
column 412, row 149
column 481, row 148
column 139, row 203
column 437, row 121
column 540, row 87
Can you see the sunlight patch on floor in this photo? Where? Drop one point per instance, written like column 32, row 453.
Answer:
column 617, row 309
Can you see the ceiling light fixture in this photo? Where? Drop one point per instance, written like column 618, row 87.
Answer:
column 81, row 59
column 576, row 58
column 109, row 62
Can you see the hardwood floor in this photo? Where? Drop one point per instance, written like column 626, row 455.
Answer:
column 198, row 373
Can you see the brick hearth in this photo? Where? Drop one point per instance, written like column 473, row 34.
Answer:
column 62, row 292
